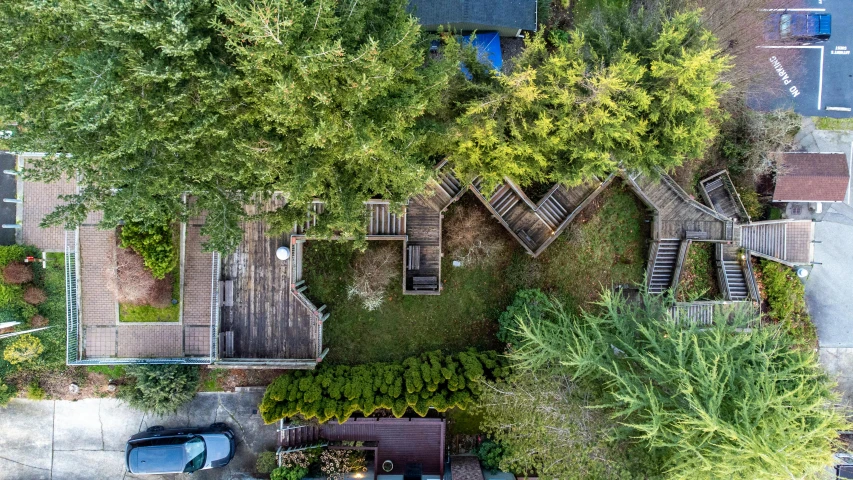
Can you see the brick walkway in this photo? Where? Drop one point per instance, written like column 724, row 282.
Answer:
column 39, row 200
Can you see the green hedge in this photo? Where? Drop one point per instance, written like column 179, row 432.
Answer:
column 429, row 380
column 156, row 245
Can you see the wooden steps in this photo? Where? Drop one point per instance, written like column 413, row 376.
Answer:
column 504, row 199
column 735, row 286
column 552, row 212
column 382, row 221
column 766, row 239
column 663, row 259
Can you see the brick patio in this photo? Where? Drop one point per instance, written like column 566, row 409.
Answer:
column 39, row 199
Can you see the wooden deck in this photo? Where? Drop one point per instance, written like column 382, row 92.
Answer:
column 719, row 192
column 677, row 213
column 423, row 224
column 401, row 440
column 268, row 321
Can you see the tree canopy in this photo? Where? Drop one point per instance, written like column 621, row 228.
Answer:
column 227, row 100
column 715, row 401
column 574, row 109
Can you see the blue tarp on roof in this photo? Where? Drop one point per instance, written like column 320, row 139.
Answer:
column 488, row 45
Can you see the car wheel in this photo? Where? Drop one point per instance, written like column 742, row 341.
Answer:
column 218, row 425
column 157, row 428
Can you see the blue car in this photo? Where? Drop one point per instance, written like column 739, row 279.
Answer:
column 180, row 450
column 799, row 27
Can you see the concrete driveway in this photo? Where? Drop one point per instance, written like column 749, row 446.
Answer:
column 829, row 288
column 85, row 439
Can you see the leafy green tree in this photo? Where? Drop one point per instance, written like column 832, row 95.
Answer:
column 229, row 100
column 568, row 113
column 716, row 401
column 160, row 389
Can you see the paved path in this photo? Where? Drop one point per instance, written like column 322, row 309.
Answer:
column 85, row 439
column 829, row 288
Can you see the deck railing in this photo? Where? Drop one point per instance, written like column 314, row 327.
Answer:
column 72, row 317
column 297, row 286
column 214, row 308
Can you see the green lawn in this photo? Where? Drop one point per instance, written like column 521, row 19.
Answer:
column 147, row 313
column 823, row 123
column 605, row 246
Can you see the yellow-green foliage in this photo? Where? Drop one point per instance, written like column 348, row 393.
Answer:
column 155, row 244
column 430, row 380
column 25, row 348
column 786, row 296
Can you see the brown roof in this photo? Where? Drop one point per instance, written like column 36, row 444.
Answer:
column 811, row 177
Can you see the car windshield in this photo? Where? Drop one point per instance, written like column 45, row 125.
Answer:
column 195, row 452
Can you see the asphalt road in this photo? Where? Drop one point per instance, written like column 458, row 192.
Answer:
column 813, row 79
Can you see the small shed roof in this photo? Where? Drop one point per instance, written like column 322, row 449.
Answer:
column 811, row 177
column 500, row 15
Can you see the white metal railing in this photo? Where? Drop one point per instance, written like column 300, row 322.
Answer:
column 214, row 308
column 72, row 317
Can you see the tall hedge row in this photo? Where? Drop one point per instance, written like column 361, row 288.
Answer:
column 428, row 380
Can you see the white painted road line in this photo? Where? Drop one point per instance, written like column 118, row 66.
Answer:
column 791, row 9
column 820, row 79
column 838, row 109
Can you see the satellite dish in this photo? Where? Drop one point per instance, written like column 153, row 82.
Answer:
column 282, row 253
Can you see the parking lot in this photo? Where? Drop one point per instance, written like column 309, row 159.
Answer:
column 814, row 79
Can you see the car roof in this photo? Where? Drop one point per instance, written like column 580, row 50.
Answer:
column 158, row 459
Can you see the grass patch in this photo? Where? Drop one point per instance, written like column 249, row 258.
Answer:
column 606, row 245
column 698, row 281
column 775, row 213
column 211, row 379
column 110, row 371
column 147, row 313
column 824, row 123
column 583, row 9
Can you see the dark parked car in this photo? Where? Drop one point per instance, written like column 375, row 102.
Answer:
column 799, row 26
column 176, row 450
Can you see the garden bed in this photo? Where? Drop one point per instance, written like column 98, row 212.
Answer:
column 698, row 279
column 167, row 307
column 605, row 246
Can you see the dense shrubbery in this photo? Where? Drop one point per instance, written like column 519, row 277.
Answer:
column 24, row 349
column 266, row 462
column 530, row 303
column 490, row 454
column 295, row 465
column 430, row 380
column 160, row 389
column 7, row 393
column 155, row 244
column 786, row 297
column 17, row 273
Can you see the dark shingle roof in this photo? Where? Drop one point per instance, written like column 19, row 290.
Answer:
column 487, row 14
column 811, row 177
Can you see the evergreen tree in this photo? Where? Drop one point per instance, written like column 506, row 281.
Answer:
column 716, row 401
column 160, row 389
column 228, row 100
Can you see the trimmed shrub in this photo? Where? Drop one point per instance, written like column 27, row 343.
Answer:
column 160, row 389
column 154, row 243
column 7, row 392
column 17, row 273
column 25, row 348
column 16, row 253
column 292, row 473
column 428, row 380
column 34, row 295
column 35, row 392
column 37, row 321
column 530, row 302
column 12, row 305
column 490, row 454
column 266, row 462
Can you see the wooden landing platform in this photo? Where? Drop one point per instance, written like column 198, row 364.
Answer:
column 423, row 225
column 268, row 321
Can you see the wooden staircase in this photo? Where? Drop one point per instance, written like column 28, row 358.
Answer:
column 446, row 189
column 766, row 239
column 735, row 286
column 663, row 259
column 384, row 222
column 552, row 212
column 314, row 211
column 294, row 438
column 504, row 199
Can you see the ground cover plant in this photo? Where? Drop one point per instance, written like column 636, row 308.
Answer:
column 713, row 401
column 429, row 380
column 786, row 298
column 606, row 245
column 698, row 277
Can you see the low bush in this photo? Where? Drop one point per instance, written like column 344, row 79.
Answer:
column 266, row 462
column 34, row 295
column 160, row 389
column 12, row 305
column 38, row 321
column 16, row 253
column 288, row 473
column 490, row 454
column 7, row 392
column 35, row 392
column 24, row 349
column 17, row 273
column 336, row 464
column 295, row 465
column 373, row 272
column 430, row 380
column 155, row 244
column 530, row 302
column 132, row 284
column 786, row 297
column 753, row 206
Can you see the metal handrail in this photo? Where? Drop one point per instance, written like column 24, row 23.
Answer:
column 72, row 317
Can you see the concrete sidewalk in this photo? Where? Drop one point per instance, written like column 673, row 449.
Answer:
column 85, row 439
